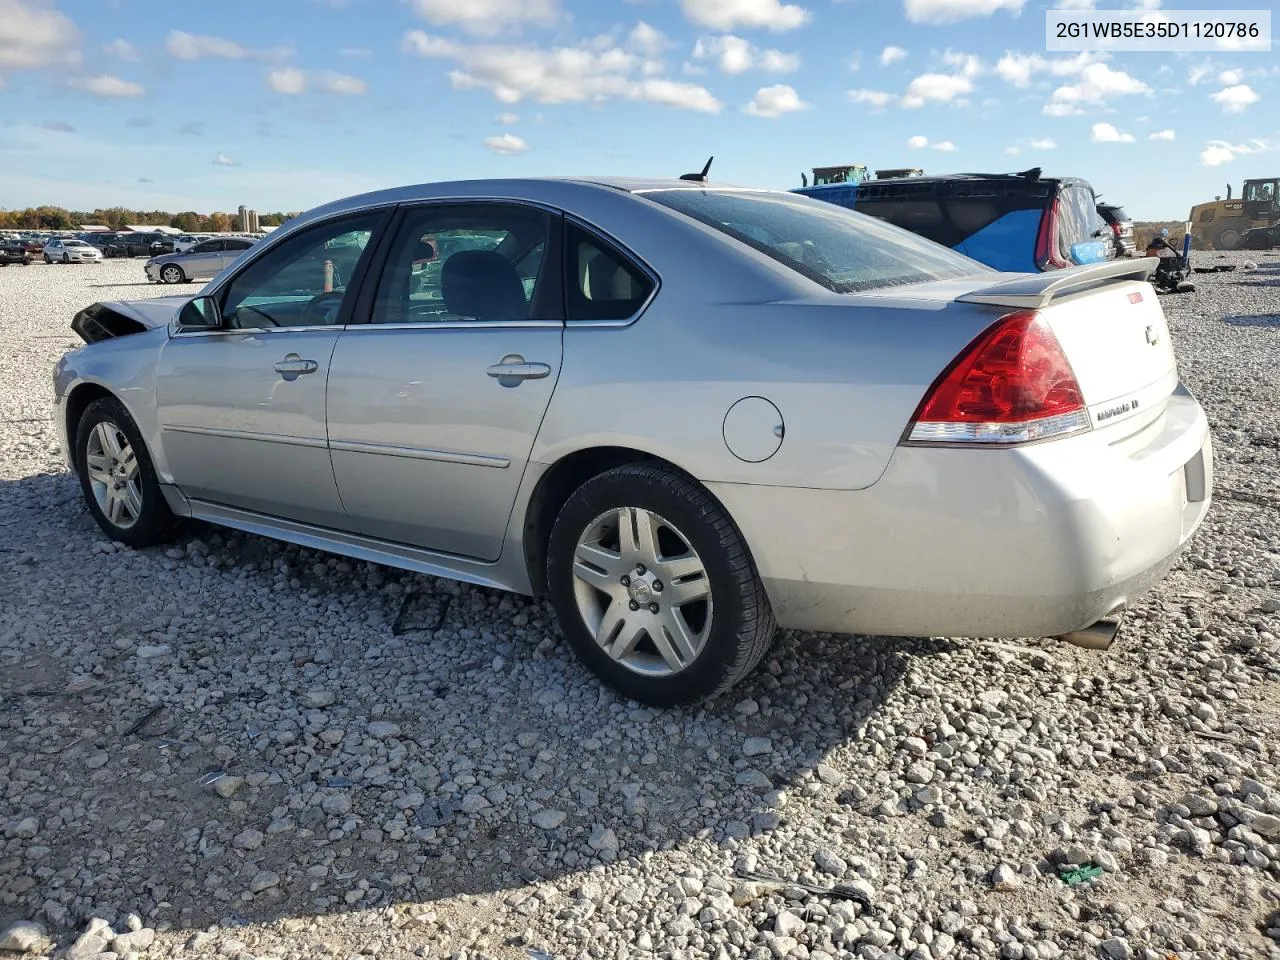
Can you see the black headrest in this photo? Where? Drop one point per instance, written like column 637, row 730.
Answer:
column 482, row 284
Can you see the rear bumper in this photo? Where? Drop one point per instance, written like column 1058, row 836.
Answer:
column 1037, row 541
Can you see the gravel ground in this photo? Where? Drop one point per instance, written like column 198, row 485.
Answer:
column 237, row 748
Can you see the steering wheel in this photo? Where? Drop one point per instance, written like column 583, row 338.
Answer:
column 318, row 306
column 254, row 310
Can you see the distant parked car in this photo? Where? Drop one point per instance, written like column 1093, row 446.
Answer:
column 33, row 244
column 71, row 251
column 1020, row 222
column 133, row 245
column 185, row 242
column 1121, row 225
column 13, row 250
column 206, row 259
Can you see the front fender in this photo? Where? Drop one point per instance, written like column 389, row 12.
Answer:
column 125, row 367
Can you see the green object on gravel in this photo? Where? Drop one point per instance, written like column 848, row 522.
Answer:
column 1079, row 875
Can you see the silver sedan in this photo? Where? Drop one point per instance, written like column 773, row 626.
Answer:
column 200, row 261
column 686, row 413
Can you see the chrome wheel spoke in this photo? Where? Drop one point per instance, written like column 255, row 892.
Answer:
column 627, row 640
column 683, row 567
column 109, row 440
column 687, row 591
column 115, row 506
column 129, row 463
column 612, row 623
column 132, row 498
column 598, row 566
column 673, row 640
column 638, row 534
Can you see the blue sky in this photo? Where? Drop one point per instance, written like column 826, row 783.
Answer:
column 284, row 104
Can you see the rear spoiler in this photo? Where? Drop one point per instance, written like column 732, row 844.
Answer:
column 1035, row 291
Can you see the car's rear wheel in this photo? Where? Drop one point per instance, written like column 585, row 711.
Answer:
column 172, row 273
column 66, row 258
column 118, row 479
column 654, row 587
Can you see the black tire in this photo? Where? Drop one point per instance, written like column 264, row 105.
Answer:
column 168, row 270
column 742, row 626
column 155, row 523
column 48, row 259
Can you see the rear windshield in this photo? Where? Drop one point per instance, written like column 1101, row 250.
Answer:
column 838, row 248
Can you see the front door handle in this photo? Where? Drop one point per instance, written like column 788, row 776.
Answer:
column 293, row 366
column 512, row 368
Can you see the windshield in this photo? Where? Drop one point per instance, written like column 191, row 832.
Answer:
column 836, row 247
column 1260, row 191
column 74, row 243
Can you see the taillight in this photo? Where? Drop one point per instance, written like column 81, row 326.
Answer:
column 1047, row 256
column 1117, row 230
column 1013, row 384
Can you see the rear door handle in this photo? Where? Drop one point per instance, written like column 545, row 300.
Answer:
column 513, row 368
column 293, row 366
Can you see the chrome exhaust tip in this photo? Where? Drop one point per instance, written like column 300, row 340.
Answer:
column 1096, row 636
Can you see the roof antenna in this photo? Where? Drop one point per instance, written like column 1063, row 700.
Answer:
column 698, row 177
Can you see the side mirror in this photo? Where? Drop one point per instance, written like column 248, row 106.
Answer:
column 201, row 313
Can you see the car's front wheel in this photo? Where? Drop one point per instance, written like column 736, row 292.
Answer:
column 654, row 587
column 48, row 259
column 118, row 479
column 172, row 273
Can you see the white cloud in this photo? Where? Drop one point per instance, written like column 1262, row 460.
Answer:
column 506, row 144
column 1096, row 84
column 935, row 87
column 646, row 39
column 1043, row 144
column 919, row 143
column 1019, row 69
column 289, row 80
column 892, row 54
column 728, row 14
column 775, row 101
column 194, row 46
column 1229, row 78
column 949, row 11
column 121, row 50
column 35, row 35
column 1107, row 133
column 486, row 17
column 966, row 64
column 508, row 119
column 222, row 160
column 735, row 55
column 877, row 98
column 1161, row 135
column 108, row 87
column 1012, row 151
column 588, row 73
column 343, row 84
column 1198, row 73
column 1218, row 152
column 1236, row 99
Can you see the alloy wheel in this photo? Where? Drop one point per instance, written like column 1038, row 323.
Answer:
column 113, row 475
column 171, row 274
column 642, row 591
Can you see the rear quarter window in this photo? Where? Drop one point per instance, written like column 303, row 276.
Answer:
column 843, row 250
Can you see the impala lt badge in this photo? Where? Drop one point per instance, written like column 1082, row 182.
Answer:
column 1153, row 337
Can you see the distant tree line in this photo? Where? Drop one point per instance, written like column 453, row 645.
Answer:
column 57, row 218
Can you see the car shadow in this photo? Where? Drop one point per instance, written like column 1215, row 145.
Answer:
column 140, row 283
column 261, row 731
column 1253, row 320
